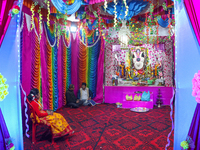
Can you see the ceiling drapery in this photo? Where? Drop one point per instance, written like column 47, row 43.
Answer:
column 135, row 7
column 63, row 8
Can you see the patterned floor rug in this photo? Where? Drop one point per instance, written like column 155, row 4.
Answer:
column 105, row 127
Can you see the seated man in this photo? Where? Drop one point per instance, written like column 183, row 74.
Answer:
column 71, row 98
column 85, row 95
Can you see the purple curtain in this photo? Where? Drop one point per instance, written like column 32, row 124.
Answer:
column 4, row 134
column 74, row 62
column 25, row 71
column 60, row 74
column 100, row 71
column 194, row 131
column 193, row 10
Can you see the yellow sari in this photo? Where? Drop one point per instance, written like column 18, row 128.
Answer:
column 59, row 126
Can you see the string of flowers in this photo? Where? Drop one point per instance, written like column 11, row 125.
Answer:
column 147, row 28
column 99, row 20
column 126, row 12
column 32, row 16
column 40, row 22
column 48, row 8
column 115, row 11
column 169, row 26
column 105, row 5
column 157, row 26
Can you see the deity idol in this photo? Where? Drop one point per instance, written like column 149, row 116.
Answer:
column 138, row 60
column 122, row 70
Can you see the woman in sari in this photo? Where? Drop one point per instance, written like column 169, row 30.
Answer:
column 59, row 125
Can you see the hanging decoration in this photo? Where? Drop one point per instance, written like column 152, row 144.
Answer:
column 157, row 26
column 3, row 88
column 33, row 14
column 134, row 7
column 126, row 6
column 48, row 8
column 147, row 28
column 105, row 5
column 169, row 26
column 99, row 20
column 61, row 6
column 40, row 22
column 88, row 61
column 115, row 11
column 15, row 9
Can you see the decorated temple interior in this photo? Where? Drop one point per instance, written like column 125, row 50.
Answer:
column 99, row 74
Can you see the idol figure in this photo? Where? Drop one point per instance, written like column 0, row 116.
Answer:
column 122, row 70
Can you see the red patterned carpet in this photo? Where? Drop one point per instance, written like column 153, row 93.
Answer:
column 105, row 127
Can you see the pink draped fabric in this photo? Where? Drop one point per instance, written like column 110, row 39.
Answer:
column 193, row 10
column 99, row 89
column 26, row 66
column 74, row 62
column 44, row 71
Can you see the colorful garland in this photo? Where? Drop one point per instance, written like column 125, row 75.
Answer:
column 32, row 16
column 88, row 60
column 169, row 26
column 126, row 12
column 115, row 11
column 40, row 22
column 36, row 63
column 105, row 5
column 48, row 8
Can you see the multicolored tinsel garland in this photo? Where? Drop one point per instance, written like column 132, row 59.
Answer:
column 88, row 60
column 40, row 22
column 32, row 16
column 90, row 34
column 35, row 65
column 55, row 76
column 50, row 34
column 51, row 59
column 50, row 74
column 48, row 8
column 66, row 61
